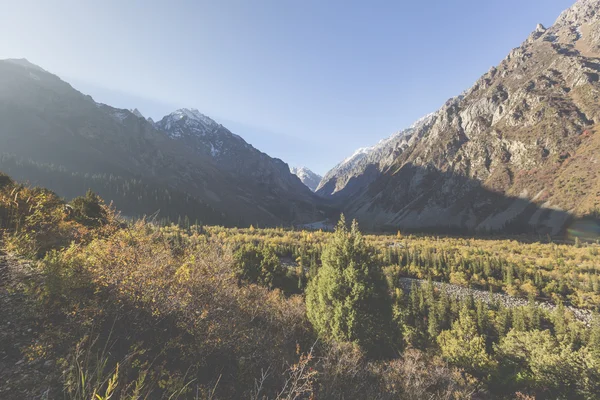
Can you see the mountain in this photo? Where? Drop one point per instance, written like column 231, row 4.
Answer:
column 185, row 165
column 518, row 151
column 356, row 172
column 309, row 178
column 229, row 152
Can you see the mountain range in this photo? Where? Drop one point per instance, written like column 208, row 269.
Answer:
column 185, row 165
column 516, row 152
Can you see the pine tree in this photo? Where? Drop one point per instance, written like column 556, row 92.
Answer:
column 504, row 320
column 444, row 310
column 509, row 276
column 482, row 318
column 519, row 323
column 535, row 320
column 594, row 339
column 433, row 325
column 348, row 299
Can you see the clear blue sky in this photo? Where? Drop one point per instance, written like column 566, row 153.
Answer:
column 307, row 81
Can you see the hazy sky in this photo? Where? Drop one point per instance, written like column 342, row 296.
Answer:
column 308, row 81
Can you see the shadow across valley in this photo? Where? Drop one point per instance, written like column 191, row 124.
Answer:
column 426, row 200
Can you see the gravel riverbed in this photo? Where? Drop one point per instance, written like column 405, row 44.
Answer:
column 460, row 292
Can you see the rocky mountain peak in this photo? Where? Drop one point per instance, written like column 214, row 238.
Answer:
column 213, row 142
column 309, row 178
column 186, row 121
column 23, row 62
column 137, row 113
column 581, row 12
column 192, row 114
column 356, row 172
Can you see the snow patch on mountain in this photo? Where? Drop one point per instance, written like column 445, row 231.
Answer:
column 358, row 154
column 184, row 121
column 309, row 178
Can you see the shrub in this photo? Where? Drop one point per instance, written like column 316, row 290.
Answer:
column 464, row 347
column 89, row 210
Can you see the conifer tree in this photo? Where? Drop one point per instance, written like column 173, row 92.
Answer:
column 348, row 299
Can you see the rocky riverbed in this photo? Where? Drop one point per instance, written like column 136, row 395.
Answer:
column 460, row 292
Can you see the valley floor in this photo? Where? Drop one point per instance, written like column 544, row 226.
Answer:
column 93, row 306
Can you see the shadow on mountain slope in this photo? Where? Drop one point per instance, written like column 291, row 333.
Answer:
column 424, row 199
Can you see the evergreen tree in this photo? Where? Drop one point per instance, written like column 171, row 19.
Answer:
column 594, row 339
column 482, row 318
column 519, row 323
column 348, row 299
column 433, row 325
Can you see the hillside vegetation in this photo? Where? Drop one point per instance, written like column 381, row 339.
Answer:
column 96, row 307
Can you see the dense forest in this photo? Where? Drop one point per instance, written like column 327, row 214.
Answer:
column 102, row 307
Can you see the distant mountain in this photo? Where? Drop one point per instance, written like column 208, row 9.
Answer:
column 518, row 151
column 184, row 165
column 356, row 172
column 309, row 178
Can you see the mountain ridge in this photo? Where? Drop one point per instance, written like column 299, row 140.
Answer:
column 45, row 119
column 527, row 129
column 356, row 172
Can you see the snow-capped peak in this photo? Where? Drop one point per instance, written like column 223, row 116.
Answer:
column 358, row 153
column 309, row 178
column 193, row 115
column 380, row 154
column 184, row 121
column 422, row 120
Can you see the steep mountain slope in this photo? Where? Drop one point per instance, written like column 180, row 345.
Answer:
column 51, row 134
column 518, row 151
column 356, row 172
column 229, row 152
column 259, row 179
column 309, row 178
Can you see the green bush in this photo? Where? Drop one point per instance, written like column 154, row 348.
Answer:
column 88, row 210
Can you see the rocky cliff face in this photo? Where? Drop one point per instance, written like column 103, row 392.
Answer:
column 519, row 150
column 47, row 122
column 307, row 177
